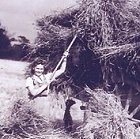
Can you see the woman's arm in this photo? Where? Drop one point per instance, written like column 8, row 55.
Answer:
column 62, row 69
column 37, row 91
column 32, row 89
column 63, row 66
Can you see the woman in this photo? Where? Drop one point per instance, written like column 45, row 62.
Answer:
column 37, row 85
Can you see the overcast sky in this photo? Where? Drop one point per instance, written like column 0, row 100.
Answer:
column 18, row 16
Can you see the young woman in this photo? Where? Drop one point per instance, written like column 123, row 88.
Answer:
column 37, row 86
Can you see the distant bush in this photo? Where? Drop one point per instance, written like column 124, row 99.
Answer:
column 16, row 53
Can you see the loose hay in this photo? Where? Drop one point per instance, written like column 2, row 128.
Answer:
column 24, row 122
column 107, row 119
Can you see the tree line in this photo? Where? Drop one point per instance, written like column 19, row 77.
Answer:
column 11, row 47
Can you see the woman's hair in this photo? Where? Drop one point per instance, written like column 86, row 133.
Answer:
column 33, row 64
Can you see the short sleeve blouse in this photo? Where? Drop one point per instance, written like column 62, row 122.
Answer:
column 30, row 81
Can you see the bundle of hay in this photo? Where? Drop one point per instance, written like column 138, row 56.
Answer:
column 24, row 122
column 106, row 118
column 103, row 23
column 53, row 36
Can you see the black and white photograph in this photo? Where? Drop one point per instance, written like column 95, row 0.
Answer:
column 70, row 69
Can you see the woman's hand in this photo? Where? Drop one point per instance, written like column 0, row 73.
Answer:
column 65, row 54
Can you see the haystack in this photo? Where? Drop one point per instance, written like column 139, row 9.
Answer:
column 105, row 55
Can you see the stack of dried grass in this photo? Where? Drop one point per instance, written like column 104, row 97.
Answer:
column 98, row 23
column 54, row 34
column 107, row 119
column 24, row 122
column 120, row 65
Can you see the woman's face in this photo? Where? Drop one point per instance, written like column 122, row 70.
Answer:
column 39, row 69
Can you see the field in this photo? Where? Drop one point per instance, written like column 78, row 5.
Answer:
column 11, row 83
column 12, row 75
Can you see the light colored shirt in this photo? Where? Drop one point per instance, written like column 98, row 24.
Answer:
column 35, row 81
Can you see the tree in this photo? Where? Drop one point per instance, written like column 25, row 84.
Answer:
column 5, row 44
column 4, row 39
column 21, row 47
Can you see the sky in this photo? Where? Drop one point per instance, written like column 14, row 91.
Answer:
column 19, row 16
